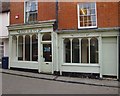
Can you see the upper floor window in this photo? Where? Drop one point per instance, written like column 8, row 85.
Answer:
column 87, row 15
column 31, row 10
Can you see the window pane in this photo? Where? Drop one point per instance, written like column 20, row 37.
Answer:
column 14, row 46
column 27, row 48
column 93, row 11
column 75, row 50
column 46, row 37
column 93, row 50
column 85, row 50
column 20, row 48
column 67, row 50
column 47, row 52
column 93, row 18
column 34, row 48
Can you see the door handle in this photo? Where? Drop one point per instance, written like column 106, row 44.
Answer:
column 47, row 63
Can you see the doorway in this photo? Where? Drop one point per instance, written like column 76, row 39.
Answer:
column 46, row 56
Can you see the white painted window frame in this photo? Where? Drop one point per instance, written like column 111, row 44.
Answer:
column 25, row 9
column 78, row 15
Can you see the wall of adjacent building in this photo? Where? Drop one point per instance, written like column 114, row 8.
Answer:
column 4, row 17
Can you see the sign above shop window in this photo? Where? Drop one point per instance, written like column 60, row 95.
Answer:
column 29, row 31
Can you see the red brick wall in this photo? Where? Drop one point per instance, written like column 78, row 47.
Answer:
column 16, row 8
column 107, row 15
column 67, row 15
column 46, row 11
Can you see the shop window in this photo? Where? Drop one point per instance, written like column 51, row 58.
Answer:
column 31, row 10
column 81, row 50
column 20, row 48
column 34, row 48
column 93, row 50
column 27, row 48
column 67, row 50
column 84, row 50
column 87, row 15
column 75, row 50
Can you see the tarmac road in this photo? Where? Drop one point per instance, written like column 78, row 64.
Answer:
column 13, row 84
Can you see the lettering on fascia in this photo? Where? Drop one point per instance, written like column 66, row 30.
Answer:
column 29, row 31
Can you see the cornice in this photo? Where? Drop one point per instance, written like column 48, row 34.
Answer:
column 39, row 24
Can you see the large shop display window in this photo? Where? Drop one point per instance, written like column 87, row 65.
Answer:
column 81, row 50
column 26, row 47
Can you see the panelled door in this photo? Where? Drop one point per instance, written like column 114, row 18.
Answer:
column 46, row 53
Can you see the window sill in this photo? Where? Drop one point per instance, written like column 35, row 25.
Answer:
column 81, row 64
column 91, row 27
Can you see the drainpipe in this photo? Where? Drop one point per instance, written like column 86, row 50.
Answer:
column 56, row 15
column 119, row 38
column 119, row 55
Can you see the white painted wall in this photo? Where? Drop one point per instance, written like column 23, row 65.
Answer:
column 6, row 47
column 4, row 17
column 4, row 22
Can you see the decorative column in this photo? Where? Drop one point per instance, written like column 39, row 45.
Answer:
column 10, row 51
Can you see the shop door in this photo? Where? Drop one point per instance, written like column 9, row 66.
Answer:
column 46, row 64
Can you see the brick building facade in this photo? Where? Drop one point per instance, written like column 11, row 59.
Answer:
column 65, row 37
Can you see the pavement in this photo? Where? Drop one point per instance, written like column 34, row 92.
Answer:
column 95, row 82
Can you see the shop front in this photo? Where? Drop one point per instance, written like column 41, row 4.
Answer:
column 31, row 46
column 89, row 51
column 37, row 46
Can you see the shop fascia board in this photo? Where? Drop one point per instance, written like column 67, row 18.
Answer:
column 115, row 29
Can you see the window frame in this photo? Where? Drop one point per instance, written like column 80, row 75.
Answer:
column 31, row 12
column 78, row 15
